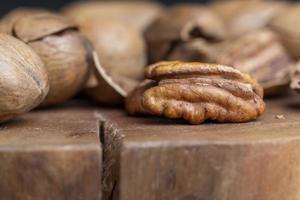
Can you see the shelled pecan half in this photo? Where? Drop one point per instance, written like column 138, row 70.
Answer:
column 196, row 92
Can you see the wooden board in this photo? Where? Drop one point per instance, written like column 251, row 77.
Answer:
column 51, row 154
column 152, row 158
column 56, row 154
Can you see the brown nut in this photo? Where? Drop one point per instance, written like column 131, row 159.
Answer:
column 260, row 54
column 287, row 25
column 184, row 32
column 107, row 87
column 137, row 14
column 197, row 92
column 244, row 16
column 23, row 78
column 58, row 43
column 122, row 56
column 120, row 49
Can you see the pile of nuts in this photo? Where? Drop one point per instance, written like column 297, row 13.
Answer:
column 206, row 62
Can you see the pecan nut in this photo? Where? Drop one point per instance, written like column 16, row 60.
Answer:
column 197, row 92
column 59, row 44
column 260, row 54
column 168, row 35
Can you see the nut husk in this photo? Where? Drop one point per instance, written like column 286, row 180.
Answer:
column 244, row 16
column 287, row 25
column 61, row 47
column 23, row 78
column 260, row 54
column 185, row 32
column 137, row 14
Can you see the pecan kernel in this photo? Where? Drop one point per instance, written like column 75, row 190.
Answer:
column 197, row 92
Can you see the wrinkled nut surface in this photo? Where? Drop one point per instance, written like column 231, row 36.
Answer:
column 184, row 32
column 136, row 14
column 23, row 78
column 244, row 16
column 260, row 54
column 106, row 87
column 58, row 43
column 295, row 82
column 197, row 92
column 287, row 25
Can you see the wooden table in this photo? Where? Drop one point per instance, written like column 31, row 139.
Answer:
column 154, row 158
column 56, row 154
column 51, row 154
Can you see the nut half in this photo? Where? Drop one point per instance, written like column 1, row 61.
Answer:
column 197, row 92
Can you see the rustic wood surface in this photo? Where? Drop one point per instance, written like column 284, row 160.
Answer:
column 152, row 158
column 51, row 154
column 56, row 154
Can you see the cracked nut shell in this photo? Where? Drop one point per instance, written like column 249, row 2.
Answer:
column 197, row 92
column 23, row 78
column 185, row 32
column 260, row 54
column 59, row 44
column 106, row 87
column 120, row 49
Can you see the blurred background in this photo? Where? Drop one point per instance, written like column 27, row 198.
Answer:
column 7, row 5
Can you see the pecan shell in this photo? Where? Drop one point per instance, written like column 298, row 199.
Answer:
column 197, row 92
column 23, row 79
column 60, row 45
column 168, row 35
column 260, row 54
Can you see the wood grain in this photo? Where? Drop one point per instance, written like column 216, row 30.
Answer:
column 150, row 158
column 56, row 154
column 51, row 154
